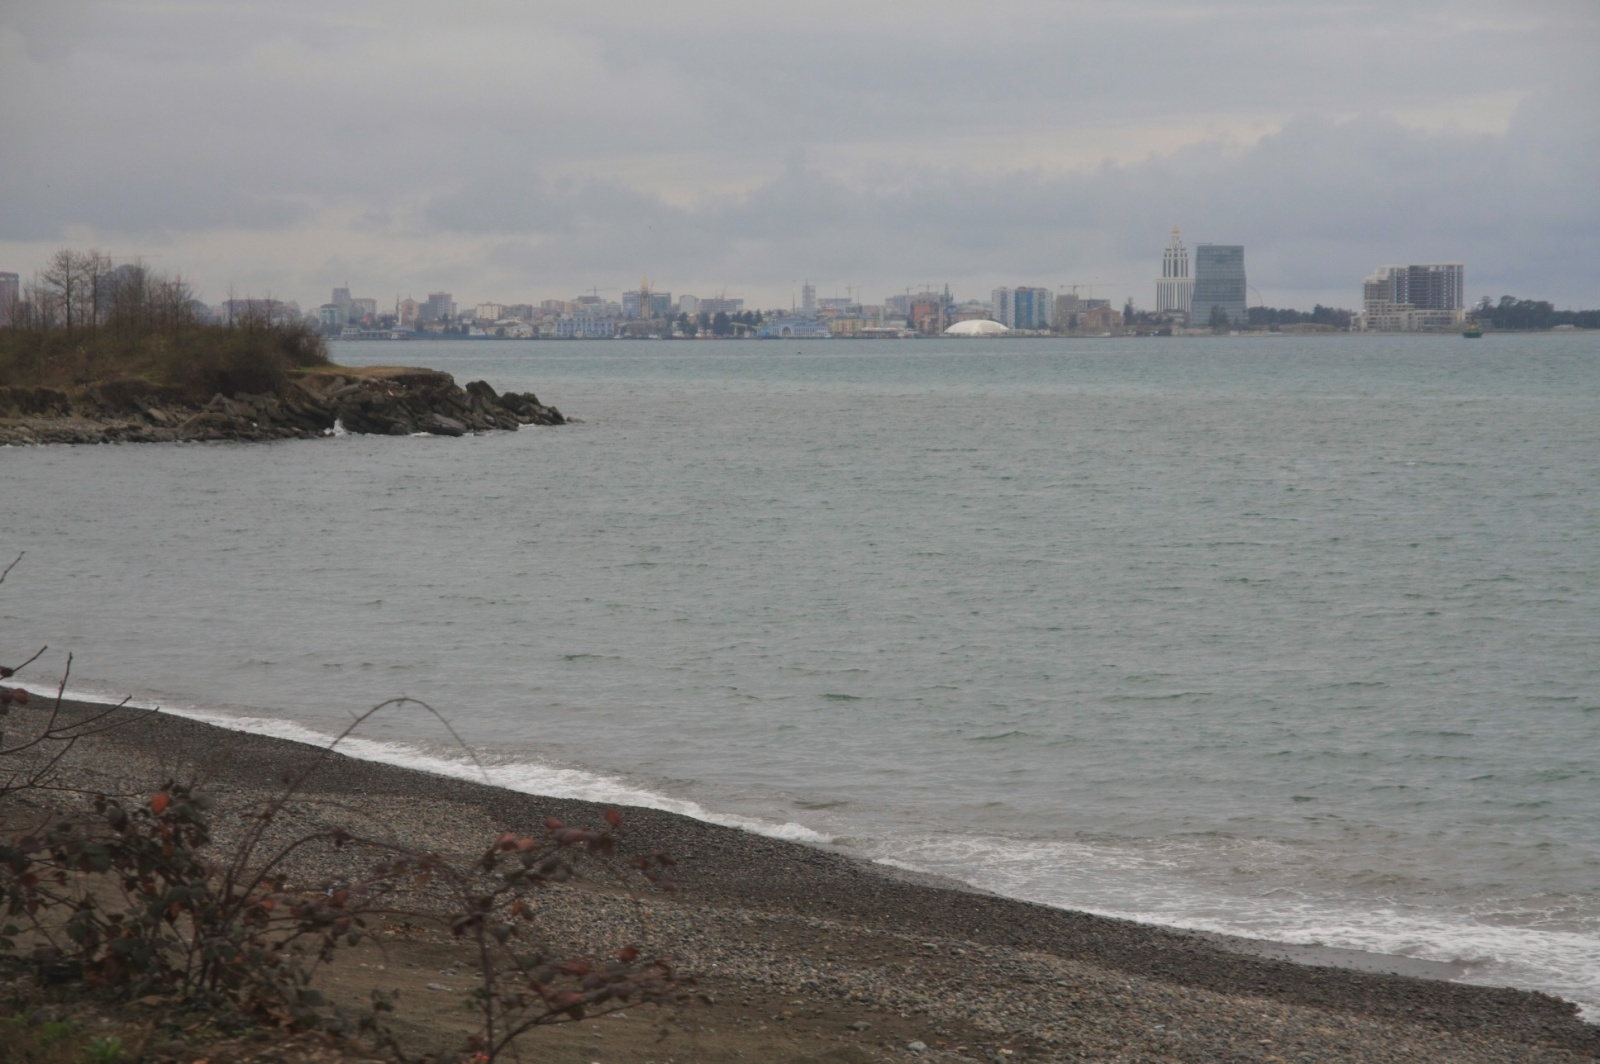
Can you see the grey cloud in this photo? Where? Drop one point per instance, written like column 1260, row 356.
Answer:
column 1317, row 205
column 543, row 133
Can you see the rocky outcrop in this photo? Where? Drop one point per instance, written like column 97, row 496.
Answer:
column 395, row 403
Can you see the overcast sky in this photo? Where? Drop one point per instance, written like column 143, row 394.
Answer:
column 529, row 150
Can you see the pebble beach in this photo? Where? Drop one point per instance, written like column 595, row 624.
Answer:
column 810, row 954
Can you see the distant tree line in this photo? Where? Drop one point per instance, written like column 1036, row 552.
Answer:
column 81, row 291
column 82, row 319
column 1319, row 315
column 1514, row 313
column 719, row 324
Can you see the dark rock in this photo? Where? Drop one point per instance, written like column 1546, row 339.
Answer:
column 440, row 425
column 401, row 403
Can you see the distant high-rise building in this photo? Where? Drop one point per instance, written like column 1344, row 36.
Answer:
column 439, row 307
column 808, row 299
column 1219, row 282
column 646, row 303
column 10, row 293
column 1175, row 289
column 1414, row 298
column 1023, row 307
column 1434, row 287
column 341, row 296
column 636, row 304
column 688, row 305
column 407, row 310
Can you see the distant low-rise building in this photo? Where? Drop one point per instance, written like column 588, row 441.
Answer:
column 1100, row 318
column 927, row 314
column 795, row 328
column 584, row 327
column 849, row 328
column 721, row 305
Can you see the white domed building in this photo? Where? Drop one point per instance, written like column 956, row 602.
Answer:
column 976, row 327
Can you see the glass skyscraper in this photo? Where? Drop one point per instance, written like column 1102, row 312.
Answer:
column 1219, row 282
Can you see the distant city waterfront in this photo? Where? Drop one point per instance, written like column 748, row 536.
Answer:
column 1211, row 298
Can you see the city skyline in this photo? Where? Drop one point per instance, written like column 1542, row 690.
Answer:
column 505, row 155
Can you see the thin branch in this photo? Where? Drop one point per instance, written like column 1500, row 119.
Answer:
column 36, row 653
column 253, row 837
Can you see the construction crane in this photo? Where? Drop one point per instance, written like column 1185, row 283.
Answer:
column 1092, row 285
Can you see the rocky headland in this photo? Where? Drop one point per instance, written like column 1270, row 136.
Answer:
column 377, row 400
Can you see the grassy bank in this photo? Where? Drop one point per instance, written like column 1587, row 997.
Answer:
column 190, row 362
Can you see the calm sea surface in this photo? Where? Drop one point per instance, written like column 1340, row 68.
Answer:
column 1295, row 638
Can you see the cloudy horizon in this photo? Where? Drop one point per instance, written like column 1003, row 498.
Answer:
column 514, row 153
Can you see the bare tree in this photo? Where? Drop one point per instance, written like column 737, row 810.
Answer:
column 174, row 299
column 129, row 298
column 95, row 270
column 39, row 307
column 63, row 280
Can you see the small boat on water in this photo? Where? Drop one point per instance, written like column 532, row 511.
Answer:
column 1472, row 331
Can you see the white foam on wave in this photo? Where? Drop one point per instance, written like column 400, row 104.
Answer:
column 527, row 777
column 1153, row 885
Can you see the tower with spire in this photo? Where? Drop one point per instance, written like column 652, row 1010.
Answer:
column 1175, row 287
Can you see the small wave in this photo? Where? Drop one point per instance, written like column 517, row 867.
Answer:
column 833, row 697
column 1163, row 882
column 527, row 777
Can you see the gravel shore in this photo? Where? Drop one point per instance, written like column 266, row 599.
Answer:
column 820, row 956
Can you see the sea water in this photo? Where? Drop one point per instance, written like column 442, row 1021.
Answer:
column 1287, row 637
